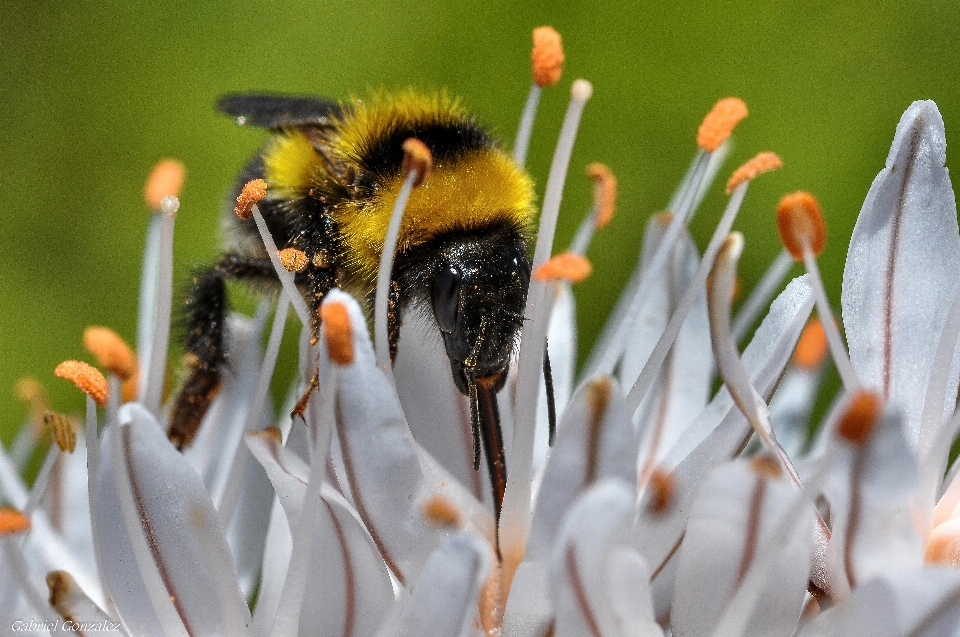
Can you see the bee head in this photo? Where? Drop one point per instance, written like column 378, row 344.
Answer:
column 478, row 291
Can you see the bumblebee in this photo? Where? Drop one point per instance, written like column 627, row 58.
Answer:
column 333, row 172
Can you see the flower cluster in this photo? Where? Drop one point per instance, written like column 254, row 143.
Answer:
column 659, row 509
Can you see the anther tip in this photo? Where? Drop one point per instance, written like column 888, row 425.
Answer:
column 565, row 266
column 720, row 122
column 293, row 260
column 418, row 159
column 759, row 164
column 165, row 179
column 800, row 221
column 547, row 56
column 440, row 511
column 87, row 378
column 336, row 327
column 604, row 192
column 110, row 350
column 860, row 417
column 812, row 347
column 253, row 192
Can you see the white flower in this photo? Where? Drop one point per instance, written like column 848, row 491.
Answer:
column 646, row 517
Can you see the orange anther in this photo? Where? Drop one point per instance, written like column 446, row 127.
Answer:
column 800, row 222
column 943, row 545
column 663, row 490
column 13, row 521
column 293, row 260
column 440, row 511
column 165, row 179
column 812, row 346
column 111, row 351
column 63, row 430
column 860, row 417
column 720, row 122
column 336, row 327
column 253, row 191
column 567, row 266
column 604, row 193
column 547, row 56
column 417, row 158
column 87, row 378
column 761, row 163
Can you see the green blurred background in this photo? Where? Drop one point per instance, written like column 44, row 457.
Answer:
column 92, row 94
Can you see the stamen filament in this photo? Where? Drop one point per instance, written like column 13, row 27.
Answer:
column 231, row 490
column 650, row 369
column 837, row 349
column 20, row 575
column 760, row 297
column 515, row 519
column 42, row 480
column 146, row 310
column 381, row 340
column 525, row 130
column 612, row 341
column 286, row 278
column 287, row 620
column 155, row 361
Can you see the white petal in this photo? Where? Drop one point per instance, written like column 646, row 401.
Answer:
column 733, row 524
column 529, row 609
column 902, row 266
column 348, row 588
column 77, row 609
column 187, row 545
column 919, row 603
column 444, row 600
column 683, row 386
column 592, row 563
column 725, row 429
column 380, row 463
column 883, row 475
column 441, row 424
column 595, row 440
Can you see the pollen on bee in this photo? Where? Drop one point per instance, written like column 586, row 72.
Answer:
column 547, row 56
column 13, row 521
column 759, row 164
column 293, row 260
column 800, row 221
column 720, row 122
column 812, row 346
column 165, row 179
column 253, row 192
column 336, row 326
column 87, row 378
column 64, row 432
column 418, row 159
column 604, row 192
column 440, row 511
column 111, row 351
column 565, row 266
column 860, row 416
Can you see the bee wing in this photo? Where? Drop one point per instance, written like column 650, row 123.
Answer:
column 278, row 111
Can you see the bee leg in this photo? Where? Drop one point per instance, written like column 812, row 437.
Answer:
column 393, row 319
column 204, row 315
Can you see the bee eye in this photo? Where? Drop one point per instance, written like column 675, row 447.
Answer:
column 446, row 296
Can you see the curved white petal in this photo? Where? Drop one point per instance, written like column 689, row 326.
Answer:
column 901, row 269
column 444, row 599
column 187, row 546
column 733, row 520
column 595, row 440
